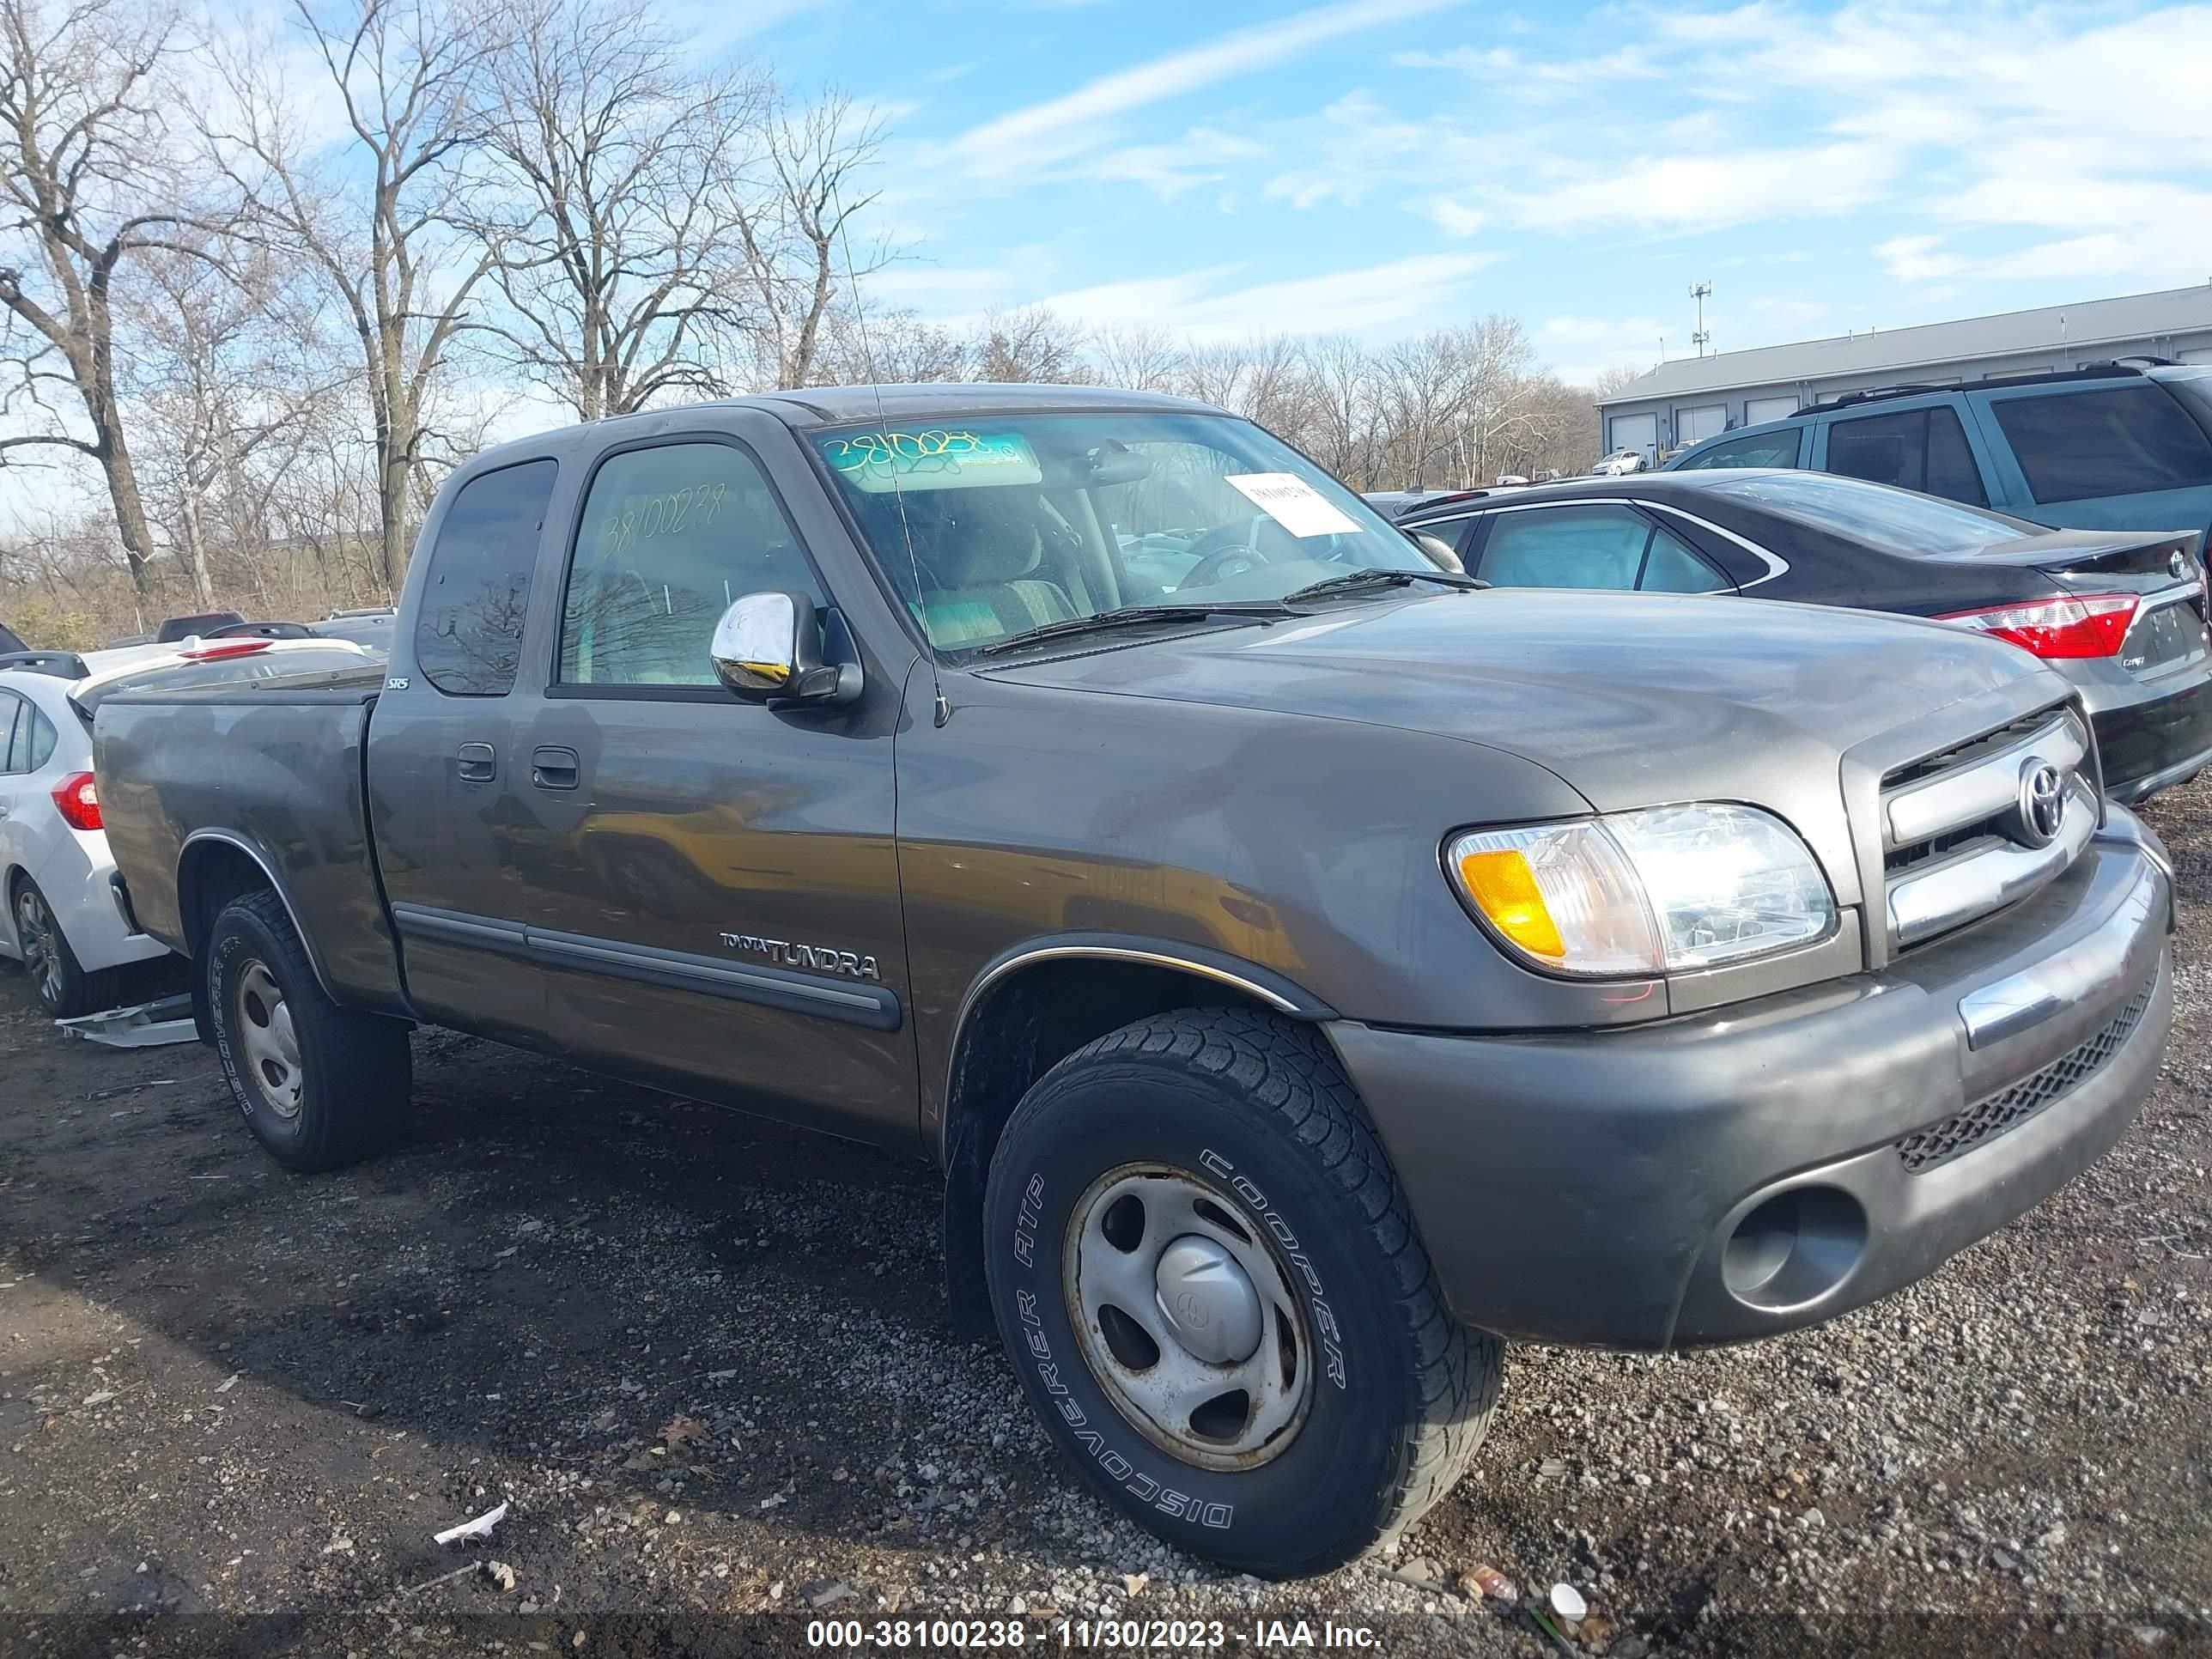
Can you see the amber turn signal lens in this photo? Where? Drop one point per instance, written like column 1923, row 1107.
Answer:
column 1505, row 887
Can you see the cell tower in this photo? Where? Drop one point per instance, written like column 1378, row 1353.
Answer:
column 1703, row 337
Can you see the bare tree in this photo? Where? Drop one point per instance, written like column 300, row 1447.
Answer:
column 617, row 218
column 228, row 375
column 1031, row 344
column 381, row 214
column 894, row 347
column 1141, row 358
column 799, row 256
column 1343, row 431
column 88, row 188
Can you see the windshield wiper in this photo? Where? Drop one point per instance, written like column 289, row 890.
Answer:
column 1353, row 580
column 1128, row 615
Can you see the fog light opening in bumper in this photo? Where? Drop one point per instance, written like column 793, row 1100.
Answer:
column 1795, row 1248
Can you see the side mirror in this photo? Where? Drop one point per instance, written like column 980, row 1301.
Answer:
column 1437, row 551
column 767, row 650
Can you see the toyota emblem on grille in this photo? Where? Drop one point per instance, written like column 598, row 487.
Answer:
column 2042, row 802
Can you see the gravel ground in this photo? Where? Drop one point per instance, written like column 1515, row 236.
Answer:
column 704, row 1362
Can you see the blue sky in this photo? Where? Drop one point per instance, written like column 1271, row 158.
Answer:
column 1384, row 166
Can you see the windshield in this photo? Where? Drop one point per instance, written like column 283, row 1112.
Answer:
column 1020, row 521
column 1887, row 519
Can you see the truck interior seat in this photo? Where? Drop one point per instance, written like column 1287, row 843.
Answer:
column 980, row 574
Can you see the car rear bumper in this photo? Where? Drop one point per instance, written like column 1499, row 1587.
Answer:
column 77, row 879
column 1771, row 1164
column 2151, row 734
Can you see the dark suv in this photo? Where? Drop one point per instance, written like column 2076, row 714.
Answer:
column 2111, row 446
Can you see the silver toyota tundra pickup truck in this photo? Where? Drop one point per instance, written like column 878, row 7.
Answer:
column 1307, row 968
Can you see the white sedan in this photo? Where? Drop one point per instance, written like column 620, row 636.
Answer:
column 63, row 920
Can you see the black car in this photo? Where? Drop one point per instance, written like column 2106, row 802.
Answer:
column 9, row 642
column 2120, row 613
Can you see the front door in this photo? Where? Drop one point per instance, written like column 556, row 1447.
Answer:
column 713, row 885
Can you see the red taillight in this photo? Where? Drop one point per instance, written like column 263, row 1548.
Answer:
column 2089, row 625
column 225, row 648
column 77, row 801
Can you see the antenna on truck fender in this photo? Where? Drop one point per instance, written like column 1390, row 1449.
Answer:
column 942, row 709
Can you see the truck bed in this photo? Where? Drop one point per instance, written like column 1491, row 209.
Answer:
column 275, row 768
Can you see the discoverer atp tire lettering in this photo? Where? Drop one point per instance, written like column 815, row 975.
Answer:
column 1253, row 1112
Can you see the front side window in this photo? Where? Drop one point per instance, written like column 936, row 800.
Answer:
column 1886, row 519
column 1759, row 449
column 1603, row 547
column 2120, row 441
column 989, row 528
column 1922, row 449
column 468, row 637
column 670, row 536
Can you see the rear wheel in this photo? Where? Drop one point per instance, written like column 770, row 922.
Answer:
column 1209, row 1280
column 64, row 987
column 320, row 1085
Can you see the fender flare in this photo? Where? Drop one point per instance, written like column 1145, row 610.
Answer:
column 229, row 838
column 1264, row 985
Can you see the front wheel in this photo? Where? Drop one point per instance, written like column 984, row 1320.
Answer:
column 1207, row 1275
column 320, row 1085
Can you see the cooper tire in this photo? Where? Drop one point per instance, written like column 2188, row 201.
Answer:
column 320, row 1085
column 1257, row 1112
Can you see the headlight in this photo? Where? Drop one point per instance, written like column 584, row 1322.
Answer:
column 1665, row 890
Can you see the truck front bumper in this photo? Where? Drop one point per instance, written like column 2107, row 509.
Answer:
column 1769, row 1165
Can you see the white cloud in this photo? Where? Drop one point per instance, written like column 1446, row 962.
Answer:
column 1080, row 120
column 1710, row 190
column 1580, row 348
column 1371, row 300
column 1203, row 155
column 1453, row 218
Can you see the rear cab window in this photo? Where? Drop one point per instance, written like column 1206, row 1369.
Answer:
column 2079, row 445
column 468, row 632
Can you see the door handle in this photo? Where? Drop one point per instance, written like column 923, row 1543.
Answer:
column 554, row 768
column 479, row 763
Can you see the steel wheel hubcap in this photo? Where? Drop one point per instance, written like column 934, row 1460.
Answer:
column 265, row 1033
column 34, row 932
column 1184, row 1314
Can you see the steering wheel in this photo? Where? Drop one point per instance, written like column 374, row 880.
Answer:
column 1227, row 549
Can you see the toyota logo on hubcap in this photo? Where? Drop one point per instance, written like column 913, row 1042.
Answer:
column 2042, row 802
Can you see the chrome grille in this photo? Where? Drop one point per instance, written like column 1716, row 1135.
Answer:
column 2008, row 1109
column 1957, row 844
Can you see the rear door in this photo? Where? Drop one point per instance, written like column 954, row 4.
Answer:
column 713, row 884
column 1596, row 544
column 15, row 819
column 2117, row 455
column 443, row 751
column 1928, row 447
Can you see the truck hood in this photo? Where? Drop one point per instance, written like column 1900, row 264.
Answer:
column 1631, row 699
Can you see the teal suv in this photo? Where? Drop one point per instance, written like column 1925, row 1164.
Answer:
column 2124, row 446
